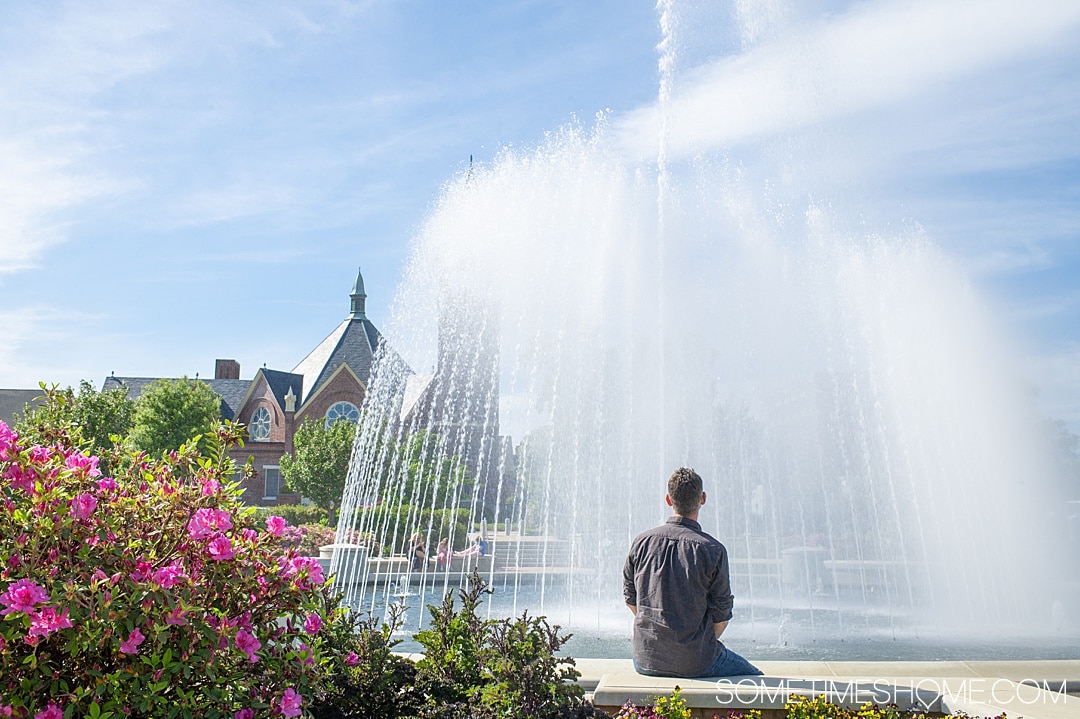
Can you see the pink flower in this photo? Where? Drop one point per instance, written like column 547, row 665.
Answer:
column 220, row 548
column 200, row 526
column 306, row 655
column 352, row 660
column 7, row 437
column 83, row 505
column 275, row 525
column 301, row 566
column 248, row 644
column 206, row 522
column 79, row 461
column 249, row 535
column 169, row 575
column 313, row 624
column 142, row 571
column 20, row 479
column 244, row 714
column 131, row 644
column 39, row 454
column 46, row 621
column 23, row 596
column 107, row 484
column 210, row 486
column 175, row 618
column 290, row 703
column 52, row 712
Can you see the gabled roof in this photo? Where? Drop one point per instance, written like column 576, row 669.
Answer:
column 342, row 368
column 231, row 391
column 354, row 342
column 279, row 383
column 14, row 401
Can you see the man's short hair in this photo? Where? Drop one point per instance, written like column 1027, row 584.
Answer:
column 684, row 488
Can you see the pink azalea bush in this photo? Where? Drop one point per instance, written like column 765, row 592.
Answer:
column 152, row 592
column 308, row 538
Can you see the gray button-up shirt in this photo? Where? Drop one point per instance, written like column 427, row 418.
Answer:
column 677, row 577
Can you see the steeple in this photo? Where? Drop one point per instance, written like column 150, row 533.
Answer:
column 359, row 298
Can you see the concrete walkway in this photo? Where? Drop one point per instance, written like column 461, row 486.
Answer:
column 1032, row 689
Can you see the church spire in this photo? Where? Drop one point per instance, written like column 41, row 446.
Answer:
column 359, row 298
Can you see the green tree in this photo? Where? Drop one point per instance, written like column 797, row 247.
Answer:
column 432, row 478
column 95, row 417
column 1064, row 451
column 171, row 412
column 320, row 462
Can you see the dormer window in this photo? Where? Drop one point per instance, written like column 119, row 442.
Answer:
column 259, row 429
column 342, row 411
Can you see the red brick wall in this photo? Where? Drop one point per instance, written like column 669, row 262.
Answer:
column 261, row 396
column 264, row 453
column 342, row 388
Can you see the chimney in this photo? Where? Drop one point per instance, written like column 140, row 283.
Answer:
column 226, row 369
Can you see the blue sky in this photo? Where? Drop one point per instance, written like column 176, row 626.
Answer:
column 186, row 181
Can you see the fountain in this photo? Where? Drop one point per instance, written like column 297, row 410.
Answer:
column 575, row 322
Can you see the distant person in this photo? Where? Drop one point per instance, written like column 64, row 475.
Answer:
column 442, row 553
column 417, row 551
column 478, row 548
column 676, row 583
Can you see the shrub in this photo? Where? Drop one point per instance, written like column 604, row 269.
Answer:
column 402, row 520
column 495, row 669
column 455, row 651
column 149, row 593
column 527, row 679
column 307, row 538
column 96, row 416
column 367, row 680
column 674, row 707
column 294, row 514
column 800, row 707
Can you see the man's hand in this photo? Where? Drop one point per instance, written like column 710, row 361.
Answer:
column 719, row 628
column 633, row 610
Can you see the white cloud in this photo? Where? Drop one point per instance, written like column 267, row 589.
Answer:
column 50, row 74
column 69, row 78
column 875, row 55
column 37, row 183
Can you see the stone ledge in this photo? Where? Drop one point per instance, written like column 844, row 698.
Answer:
column 979, row 689
column 766, row 692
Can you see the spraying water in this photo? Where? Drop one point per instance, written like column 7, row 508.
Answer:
column 574, row 324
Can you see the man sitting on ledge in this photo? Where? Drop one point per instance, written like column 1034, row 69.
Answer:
column 676, row 583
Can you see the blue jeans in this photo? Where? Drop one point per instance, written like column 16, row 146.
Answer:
column 728, row 664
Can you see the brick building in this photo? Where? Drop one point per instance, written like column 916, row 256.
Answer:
column 329, row 384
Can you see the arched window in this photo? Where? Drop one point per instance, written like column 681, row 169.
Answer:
column 342, row 411
column 259, row 429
